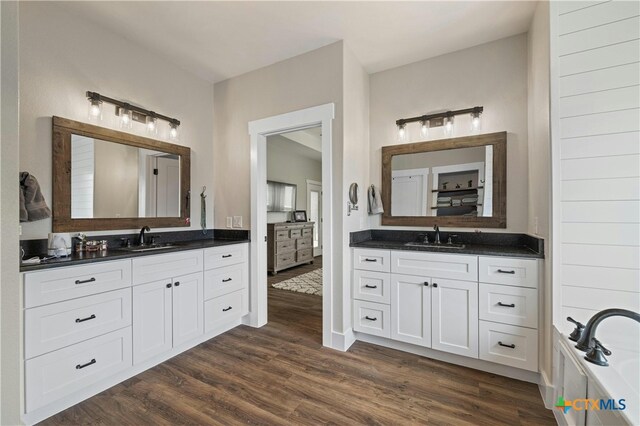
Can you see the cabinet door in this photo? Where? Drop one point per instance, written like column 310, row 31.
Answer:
column 151, row 320
column 188, row 305
column 455, row 316
column 411, row 309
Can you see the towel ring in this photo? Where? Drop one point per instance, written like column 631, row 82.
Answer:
column 353, row 194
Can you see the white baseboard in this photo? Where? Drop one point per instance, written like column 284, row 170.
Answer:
column 342, row 341
column 546, row 390
column 477, row 364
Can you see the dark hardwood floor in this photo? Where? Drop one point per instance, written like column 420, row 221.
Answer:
column 280, row 374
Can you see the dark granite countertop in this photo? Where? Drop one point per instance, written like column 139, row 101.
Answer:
column 119, row 253
column 475, row 243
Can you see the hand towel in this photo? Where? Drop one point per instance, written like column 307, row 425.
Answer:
column 375, row 201
column 31, row 199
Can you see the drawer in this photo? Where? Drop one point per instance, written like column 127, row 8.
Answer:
column 60, row 373
column 435, row 265
column 282, row 235
column 509, row 345
column 509, row 271
column 228, row 279
column 295, row 233
column 224, row 309
column 372, row 318
column 304, row 255
column 55, row 326
column 216, row 257
column 304, row 243
column 372, row 260
column 285, row 246
column 372, row 286
column 285, row 259
column 509, row 305
column 56, row 285
column 307, row 232
column 162, row 266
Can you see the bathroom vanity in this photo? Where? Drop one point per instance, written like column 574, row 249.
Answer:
column 95, row 323
column 477, row 301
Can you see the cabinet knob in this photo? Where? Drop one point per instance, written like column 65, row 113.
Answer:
column 426, row 283
column 177, row 284
column 169, row 285
column 435, row 284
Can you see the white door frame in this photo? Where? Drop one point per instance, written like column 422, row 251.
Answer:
column 321, row 115
column 318, row 225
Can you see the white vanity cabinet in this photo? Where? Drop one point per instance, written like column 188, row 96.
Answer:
column 483, row 307
column 167, row 312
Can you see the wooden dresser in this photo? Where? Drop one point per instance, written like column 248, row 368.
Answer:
column 289, row 244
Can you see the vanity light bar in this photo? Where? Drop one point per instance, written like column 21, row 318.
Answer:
column 137, row 113
column 438, row 119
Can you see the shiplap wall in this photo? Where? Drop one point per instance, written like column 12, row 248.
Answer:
column 82, row 177
column 596, row 94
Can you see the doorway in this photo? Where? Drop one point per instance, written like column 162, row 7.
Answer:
column 259, row 130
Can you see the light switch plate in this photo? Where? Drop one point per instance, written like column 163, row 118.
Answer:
column 237, row 221
column 229, row 221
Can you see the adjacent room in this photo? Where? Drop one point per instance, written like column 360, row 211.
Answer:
column 326, row 212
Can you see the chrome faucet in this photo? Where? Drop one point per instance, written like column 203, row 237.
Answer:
column 588, row 342
column 141, row 237
column 437, row 229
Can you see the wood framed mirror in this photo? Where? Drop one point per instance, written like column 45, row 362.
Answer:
column 458, row 182
column 104, row 179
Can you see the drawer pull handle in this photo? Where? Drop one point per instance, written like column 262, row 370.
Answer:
column 93, row 316
column 507, row 305
column 507, row 346
column 224, row 256
column 370, row 286
column 177, row 284
column 90, row 280
column 370, row 260
column 371, row 319
column 227, row 309
column 226, row 280
column 81, row 366
column 502, row 271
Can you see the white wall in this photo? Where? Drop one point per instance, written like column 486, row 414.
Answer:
column 10, row 308
column 493, row 75
column 307, row 80
column 539, row 148
column 596, row 183
column 285, row 165
column 356, row 164
column 63, row 56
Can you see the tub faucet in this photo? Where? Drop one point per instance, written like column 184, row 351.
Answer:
column 588, row 342
column 141, row 237
column 437, row 229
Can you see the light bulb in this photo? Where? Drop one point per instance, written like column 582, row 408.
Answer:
column 126, row 118
column 424, row 128
column 152, row 125
column 95, row 109
column 476, row 122
column 173, row 132
column 448, row 126
column 403, row 132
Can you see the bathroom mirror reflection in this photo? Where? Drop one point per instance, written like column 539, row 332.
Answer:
column 448, row 182
column 106, row 179
column 112, row 180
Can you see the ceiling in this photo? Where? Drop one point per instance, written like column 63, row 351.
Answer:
column 287, row 142
column 220, row 40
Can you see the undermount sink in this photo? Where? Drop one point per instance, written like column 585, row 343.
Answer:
column 435, row 246
column 138, row 249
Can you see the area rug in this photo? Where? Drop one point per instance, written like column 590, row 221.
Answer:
column 309, row 283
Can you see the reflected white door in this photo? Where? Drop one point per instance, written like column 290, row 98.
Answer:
column 409, row 192
column 168, row 187
column 314, row 213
